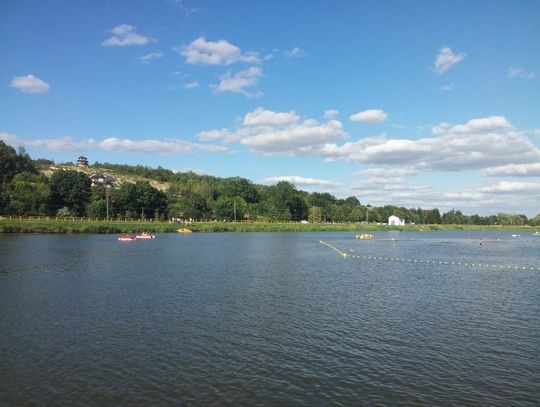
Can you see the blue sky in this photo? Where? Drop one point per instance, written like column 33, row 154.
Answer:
column 412, row 103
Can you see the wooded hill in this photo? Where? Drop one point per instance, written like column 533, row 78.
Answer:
column 41, row 187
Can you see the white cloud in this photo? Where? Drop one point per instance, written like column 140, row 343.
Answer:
column 263, row 117
column 295, row 52
column 238, row 82
column 487, row 144
column 485, row 200
column 371, row 116
column 331, row 113
column 202, row 52
column 269, row 132
column 193, row 170
column 167, row 146
column 11, row 139
column 505, row 187
column 147, row 58
column 300, row 181
column 514, row 170
column 224, row 135
column 451, row 152
column 124, row 35
column 386, row 175
column 447, row 87
column 293, row 139
column 29, row 84
column 191, row 85
column 477, row 144
column 521, row 73
column 56, row 144
column 446, row 59
column 485, row 124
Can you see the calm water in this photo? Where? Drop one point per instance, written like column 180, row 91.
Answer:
column 269, row 319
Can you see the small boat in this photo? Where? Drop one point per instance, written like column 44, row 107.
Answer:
column 184, row 231
column 365, row 236
column 515, row 235
column 126, row 237
column 536, row 234
column 145, row 235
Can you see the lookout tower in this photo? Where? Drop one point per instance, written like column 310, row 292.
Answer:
column 82, row 161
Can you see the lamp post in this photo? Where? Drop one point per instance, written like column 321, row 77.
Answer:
column 107, row 199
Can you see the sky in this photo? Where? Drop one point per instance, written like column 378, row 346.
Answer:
column 409, row 103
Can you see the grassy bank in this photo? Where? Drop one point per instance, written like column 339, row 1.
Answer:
column 53, row 225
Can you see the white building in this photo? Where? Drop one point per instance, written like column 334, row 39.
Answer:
column 394, row 220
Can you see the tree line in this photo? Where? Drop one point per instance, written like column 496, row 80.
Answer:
column 24, row 190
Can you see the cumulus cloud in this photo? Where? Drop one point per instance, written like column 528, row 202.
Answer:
column 506, row 187
column 300, row 181
column 514, row 170
column 147, row 58
column 269, row 132
column 55, row 144
column 488, row 199
column 193, row 170
column 167, row 146
column 371, row 116
column 521, row 73
column 293, row 138
column 225, row 135
column 386, row 175
column 29, row 84
column 445, row 59
column 222, row 52
column 125, row 35
column 477, row 144
column 10, row 138
column 263, row 117
column 331, row 113
column 239, row 82
column 450, row 152
column 295, row 52
column 474, row 126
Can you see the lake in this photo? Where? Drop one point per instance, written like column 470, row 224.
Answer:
column 271, row 319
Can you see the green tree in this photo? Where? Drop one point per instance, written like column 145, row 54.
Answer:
column 231, row 208
column 29, row 194
column 433, row 217
column 239, row 187
column 97, row 208
column 11, row 164
column 70, row 189
column 325, row 201
column 315, row 214
column 535, row 221
column 454, row 217
column 139, row 199
column 285, row 202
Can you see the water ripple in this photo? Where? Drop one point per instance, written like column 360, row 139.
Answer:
column 266, row 319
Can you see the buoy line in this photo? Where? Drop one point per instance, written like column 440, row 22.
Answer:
column 471, row 264
column 343, row 254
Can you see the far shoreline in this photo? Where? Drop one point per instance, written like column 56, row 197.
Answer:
column 83, row 225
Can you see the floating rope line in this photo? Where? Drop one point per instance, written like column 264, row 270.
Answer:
column 344, row 255
column 479, row 265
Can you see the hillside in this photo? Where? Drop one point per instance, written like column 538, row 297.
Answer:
column 121, row 178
